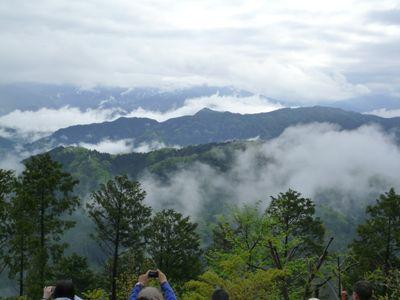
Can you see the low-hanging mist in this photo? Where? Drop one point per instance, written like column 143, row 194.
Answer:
column 338, row 168
column 33, row 125
column 124, row 146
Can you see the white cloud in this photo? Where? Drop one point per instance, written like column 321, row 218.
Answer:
column 110, row 146
column 235, row 104
column 12, row 161
column 36, row 124
column 5, row 133
column 385, row 113
column 302, row 51
column 32, row 125
column 154, row 145
column 315, row 159
column 124, row 146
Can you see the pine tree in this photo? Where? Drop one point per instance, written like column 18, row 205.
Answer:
column 121, row 221
column 6, row 188
column 21, row 231
column 174, row 245
column 44, row 193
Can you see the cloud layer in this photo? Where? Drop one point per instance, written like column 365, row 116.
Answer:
column 123, row 146
column 385, row 113
column 44, row 121
column 36, row 124
column 297, row 50
column 318, row 160
column 243, row 105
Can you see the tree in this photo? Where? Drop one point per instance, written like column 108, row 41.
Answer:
column 378, row 243
column 21, row 230
column 287, row 238
column 174, row 245
column 45, row 192
column 296, row 234
column 121, row 221
column 293, row 217
column 7, row 180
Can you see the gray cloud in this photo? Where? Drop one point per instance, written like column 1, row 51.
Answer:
column 301, row 51
column 390, row 16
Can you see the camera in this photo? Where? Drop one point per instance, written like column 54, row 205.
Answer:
column 153, row 274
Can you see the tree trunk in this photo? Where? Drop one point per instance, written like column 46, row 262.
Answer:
column 277, row 261
column 42, row 265
column 386, row 265
column 21, row 268
column 115, row 265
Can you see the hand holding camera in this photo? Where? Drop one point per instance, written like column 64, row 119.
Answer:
column 144, row 278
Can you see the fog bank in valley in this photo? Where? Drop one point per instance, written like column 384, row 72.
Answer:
column 316, row 160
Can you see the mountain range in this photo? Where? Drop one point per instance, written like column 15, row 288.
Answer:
column 34, row 96
column 208, row 126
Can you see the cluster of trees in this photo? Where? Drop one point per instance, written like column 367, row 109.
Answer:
column 284, row 253
column 279, row 252
column 35, row 212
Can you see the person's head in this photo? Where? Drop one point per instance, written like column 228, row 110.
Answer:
column 64, row 289
column 362, row 291
column 220, row 294
column 150, row 293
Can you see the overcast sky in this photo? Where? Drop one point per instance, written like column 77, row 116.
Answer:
column 292, row 50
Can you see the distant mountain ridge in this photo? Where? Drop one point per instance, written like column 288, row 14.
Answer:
column 208, row 126
column 34, row 96
column 369, row 103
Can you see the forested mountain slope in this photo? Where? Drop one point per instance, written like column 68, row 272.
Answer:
column 208, row 126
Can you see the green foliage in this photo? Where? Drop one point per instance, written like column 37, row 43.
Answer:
column 287, row 238
column 46, row 189
column 377, row 247
column 260, row 284
column 96, row 294
column 20, row 235
column 339, row 224
column 390, row 283
column 293, row 218
column 279, row 253
column 7, row 185
column 127, row 276
column 43, row 197
column 174, row 246
column 121, row 221
column 76, row 268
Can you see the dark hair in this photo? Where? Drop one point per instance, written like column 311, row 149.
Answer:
column 220, row 294
column 64, row 289
column 363, row 289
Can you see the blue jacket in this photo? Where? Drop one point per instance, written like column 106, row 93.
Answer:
column 165, row 288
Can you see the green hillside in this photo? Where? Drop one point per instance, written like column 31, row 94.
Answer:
column 92, row 168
